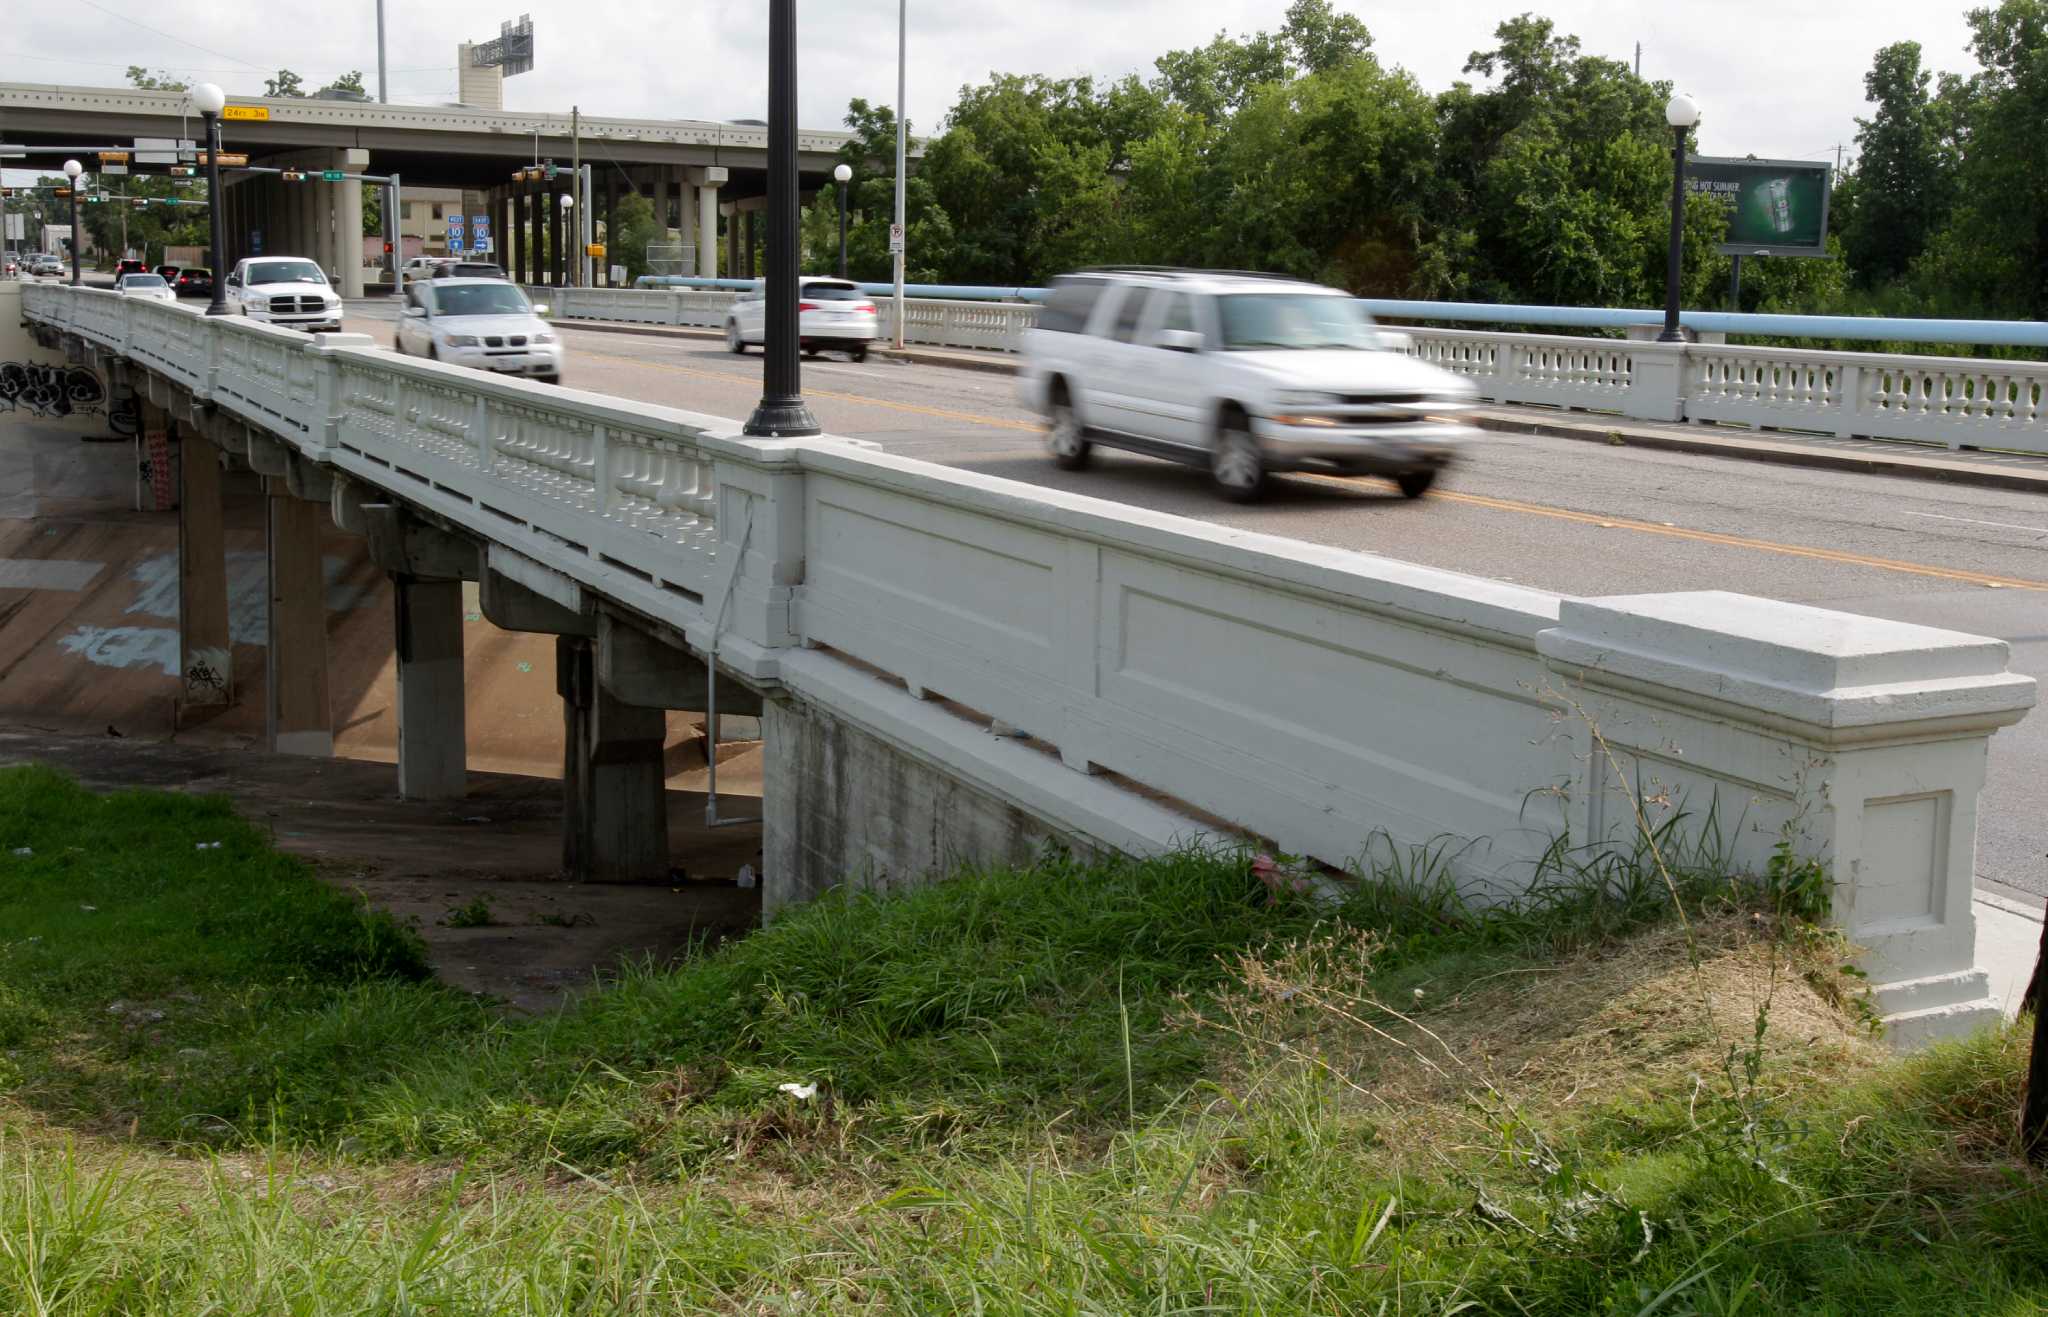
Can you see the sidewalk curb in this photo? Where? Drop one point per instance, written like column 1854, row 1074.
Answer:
column 2032, row 913
column 1777, row 454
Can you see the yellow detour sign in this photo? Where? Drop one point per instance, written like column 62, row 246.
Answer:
column 257, row 112
column 594, row 249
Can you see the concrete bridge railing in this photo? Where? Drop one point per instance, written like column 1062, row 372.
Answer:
column 1960, row 401
column 952, row 666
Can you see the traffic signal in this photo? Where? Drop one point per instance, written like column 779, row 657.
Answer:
column 292, row 176
column 387, row 249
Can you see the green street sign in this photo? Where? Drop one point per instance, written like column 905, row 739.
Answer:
column 332, row 175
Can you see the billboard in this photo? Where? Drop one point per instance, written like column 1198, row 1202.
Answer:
column 1779, row 207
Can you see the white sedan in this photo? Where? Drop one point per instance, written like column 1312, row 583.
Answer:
column 486, row 324
column 831, row 313
column 152, row 286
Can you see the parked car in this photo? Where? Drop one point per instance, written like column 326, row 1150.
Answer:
column 467, row 270
column 1244, row 374
column 193, row 282
column 152, row 286
column 486, row 324
column 284, row 290
column 831, row 313
column 129, row 265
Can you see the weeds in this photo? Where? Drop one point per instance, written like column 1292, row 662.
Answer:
column 472, row 914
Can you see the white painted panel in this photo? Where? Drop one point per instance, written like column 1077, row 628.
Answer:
column 1903, row 873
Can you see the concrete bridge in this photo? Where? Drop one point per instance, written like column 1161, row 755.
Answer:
column 951, row 667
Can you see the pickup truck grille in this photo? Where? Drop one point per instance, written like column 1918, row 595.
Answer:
column 290, row 306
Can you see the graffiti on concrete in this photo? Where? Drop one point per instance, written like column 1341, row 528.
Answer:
column 46, row 390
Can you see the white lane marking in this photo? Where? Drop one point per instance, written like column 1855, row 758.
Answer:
column 2006, row 525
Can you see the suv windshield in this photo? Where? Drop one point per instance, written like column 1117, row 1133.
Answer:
column 479, row 300
column 1260, row 321
column 286, row 272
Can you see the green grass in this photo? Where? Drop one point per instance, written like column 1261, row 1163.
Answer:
column 1019, row 1110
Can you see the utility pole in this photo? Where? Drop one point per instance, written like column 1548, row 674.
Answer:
column 575, row 266
column 1639, row 59
column 902, row 225
column 383, row 90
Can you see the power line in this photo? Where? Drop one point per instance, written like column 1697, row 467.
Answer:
column 219, row 54
column 186, row 68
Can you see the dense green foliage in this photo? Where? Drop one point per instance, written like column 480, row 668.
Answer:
column 1546, row 179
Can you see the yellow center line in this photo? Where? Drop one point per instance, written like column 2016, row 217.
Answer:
column 1476, row 500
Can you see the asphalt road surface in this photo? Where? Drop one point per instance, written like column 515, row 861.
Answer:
column 1557, row 514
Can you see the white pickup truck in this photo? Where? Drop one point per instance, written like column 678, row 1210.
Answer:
column 284, row 290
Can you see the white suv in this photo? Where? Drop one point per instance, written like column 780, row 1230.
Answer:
column 1241, row 373
column 284, row 290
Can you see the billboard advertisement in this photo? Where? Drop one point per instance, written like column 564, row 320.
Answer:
column 1777, row 207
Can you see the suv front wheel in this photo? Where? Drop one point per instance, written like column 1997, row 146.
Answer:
column 1235, row 463
column 1064, row 438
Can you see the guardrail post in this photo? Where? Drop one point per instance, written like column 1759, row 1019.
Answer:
column 1849, row 401
column 325, row 424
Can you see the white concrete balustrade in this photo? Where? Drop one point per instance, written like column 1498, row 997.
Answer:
column 1168, row 674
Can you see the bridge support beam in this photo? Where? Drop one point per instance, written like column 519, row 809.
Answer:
column 206, row 662
column 615, row 797
column 298, row 720
column 433, row 730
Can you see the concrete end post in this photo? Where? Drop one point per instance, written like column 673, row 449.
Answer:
column 1860, row 742
column 1656, row 389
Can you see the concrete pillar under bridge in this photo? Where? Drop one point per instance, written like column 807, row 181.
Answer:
column 205, row 644
column 299, row 720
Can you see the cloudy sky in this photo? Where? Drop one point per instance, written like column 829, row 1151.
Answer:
column 1776, row 77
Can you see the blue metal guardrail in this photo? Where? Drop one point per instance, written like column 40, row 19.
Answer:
column 1876, row 329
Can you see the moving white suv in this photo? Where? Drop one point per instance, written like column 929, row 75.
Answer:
column 284, row 290
column 1241, row 373
column 830, row 313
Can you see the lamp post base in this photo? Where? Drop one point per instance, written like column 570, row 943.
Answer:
column 1673, row 336
column 782, row 418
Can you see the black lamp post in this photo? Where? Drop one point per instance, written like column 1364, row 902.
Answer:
column 781, row 413
column 1681, row 114
column 72, row 169
column 209, row 100
column 842, row 174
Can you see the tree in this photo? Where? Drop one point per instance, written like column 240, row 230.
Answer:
column 1321, row 39
column 632, row 228
column 143, row 80
column 1906, row 169
column 286, row 83
column 351, row 81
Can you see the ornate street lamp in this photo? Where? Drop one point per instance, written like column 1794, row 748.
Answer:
column 1682, row 113
column 72, row 169
column 209, row 100
column 781, row 413
column 843, row 173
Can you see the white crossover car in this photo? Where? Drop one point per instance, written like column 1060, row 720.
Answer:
column 1240, row 373
column 284, row 290
column 830, row 313
column 483, row 323
column 152, row 286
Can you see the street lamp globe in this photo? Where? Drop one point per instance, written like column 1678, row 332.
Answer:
column 1682, row 111
column 208, row 99
column 568, row 200
column 72, row 169
column 842, row 172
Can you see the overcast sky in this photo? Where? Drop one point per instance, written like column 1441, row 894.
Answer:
column 1776, row 78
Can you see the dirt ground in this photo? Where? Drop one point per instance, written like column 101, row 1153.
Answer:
column 546, row 936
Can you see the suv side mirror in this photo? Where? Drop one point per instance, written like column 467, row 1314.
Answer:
column 1178, row 340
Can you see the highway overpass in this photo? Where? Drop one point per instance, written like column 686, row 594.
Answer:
column 700, row 169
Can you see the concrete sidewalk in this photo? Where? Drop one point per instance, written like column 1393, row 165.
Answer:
column 2021, row 472
column 2008, row 943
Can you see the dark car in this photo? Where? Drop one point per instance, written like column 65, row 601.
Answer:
column 169, row 273
column 468, row 270
column 193, row 282
column 130, row 267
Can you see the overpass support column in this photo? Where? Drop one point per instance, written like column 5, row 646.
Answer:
column 614, row 801
column 205, row 645
column 348, row 220
column 515, row 233
column 538, row 257
column 298, row 719
column 707, row 226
